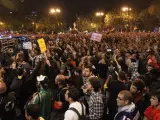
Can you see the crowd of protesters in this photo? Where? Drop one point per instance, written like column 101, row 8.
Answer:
column 77, row 78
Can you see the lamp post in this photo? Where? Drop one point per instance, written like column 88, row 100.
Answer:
column 55, row 11
column 127, row 10
column 34, row 26
column 100, row 14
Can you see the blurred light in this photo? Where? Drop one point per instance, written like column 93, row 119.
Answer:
column 124, row 9
column 58, row 10
column 53, row 10
column 1, row 23
column 33, row 23
column 99, row 14
column 10, row 36
column 10, row 12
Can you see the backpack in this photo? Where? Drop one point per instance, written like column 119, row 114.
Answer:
column 81, row 117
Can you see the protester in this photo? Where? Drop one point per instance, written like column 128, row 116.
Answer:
column 126, row 107
column 42, row 97
column 7, row 103
column 140, row 97
column 32, row 112
column 70, row 60
column 59, row 103
column 153, row 111
column 95, row 102
column 76, row 109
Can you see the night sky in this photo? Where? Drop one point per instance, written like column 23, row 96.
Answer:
column 71, row 8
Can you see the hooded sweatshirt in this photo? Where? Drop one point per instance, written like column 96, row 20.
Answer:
column 125, row 112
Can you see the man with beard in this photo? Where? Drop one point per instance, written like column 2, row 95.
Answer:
column 139, row 97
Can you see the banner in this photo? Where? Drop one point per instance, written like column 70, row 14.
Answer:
column 27, row 45
column 96, row 37
column 42, row 45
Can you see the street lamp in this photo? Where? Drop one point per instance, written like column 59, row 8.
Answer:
column 100, row 14
column 54, row 10
column 127, row 9
column 1, row 23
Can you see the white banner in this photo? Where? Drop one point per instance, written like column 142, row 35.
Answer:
column 27, row 45
column 96, row 37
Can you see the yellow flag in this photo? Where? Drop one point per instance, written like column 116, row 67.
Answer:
column 42, row 45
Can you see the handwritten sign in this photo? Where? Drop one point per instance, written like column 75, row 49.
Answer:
column 96, row 37
column 27, row 45
column 42, row 45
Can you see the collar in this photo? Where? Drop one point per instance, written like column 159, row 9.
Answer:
column 127, row 108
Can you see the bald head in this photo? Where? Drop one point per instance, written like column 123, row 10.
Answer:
column 3, row 87
column 59, row 78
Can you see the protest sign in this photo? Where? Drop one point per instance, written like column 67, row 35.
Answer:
column 96, row 37
column 42, row 45
column 27, row 45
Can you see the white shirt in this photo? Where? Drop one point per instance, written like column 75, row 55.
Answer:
column 71, row 115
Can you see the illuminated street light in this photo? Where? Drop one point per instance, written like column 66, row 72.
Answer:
column 58, row 10
column 126, row 9
column 99, row 14
column 1, row 23
column 52, row 11
column 55, row 10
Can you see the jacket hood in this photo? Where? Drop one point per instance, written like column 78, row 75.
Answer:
column 127, row 108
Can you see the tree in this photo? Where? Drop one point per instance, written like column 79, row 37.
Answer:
column 120, row 19
column 86, row 23
column 154, row 9
column 49, row 24
column 148, row 20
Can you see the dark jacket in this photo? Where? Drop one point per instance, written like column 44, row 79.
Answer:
column 142, row 102
column 125, row 113
column 114, row 87
column 60, row 96
column 7, row 106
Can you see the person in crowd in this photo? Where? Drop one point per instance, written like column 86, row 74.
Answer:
column 42, row 97
column 125, row 105
column 7, row 103
column 76, row 109
column 153, row 111
column 95, row 101
column 32, row 112
column 140, row 97
column 59, row 103
column 87, row 72
column 102, row 69
column 114, row 87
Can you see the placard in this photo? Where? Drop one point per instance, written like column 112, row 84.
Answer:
column 27, row 45
column 42, row 45
column 96, row 37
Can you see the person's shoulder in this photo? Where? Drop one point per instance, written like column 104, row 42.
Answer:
column 149, row 108
column 9, row 102
column 70, row 115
